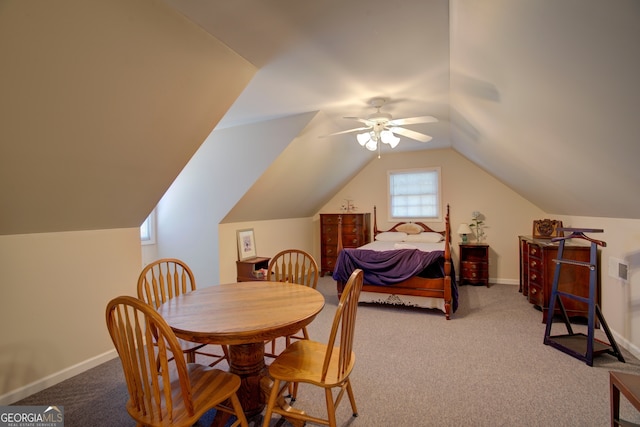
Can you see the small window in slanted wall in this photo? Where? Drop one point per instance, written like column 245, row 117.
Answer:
column 414, row 194
column 148, row 230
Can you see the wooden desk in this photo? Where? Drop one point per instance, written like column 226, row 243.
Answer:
column 629, row 385
column 243, row 316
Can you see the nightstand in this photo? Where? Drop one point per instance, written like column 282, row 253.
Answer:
column 474, row 263
column 248, row 270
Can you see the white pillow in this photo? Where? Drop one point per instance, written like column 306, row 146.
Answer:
column 391, row 236
column 409, row 228
column 425, row 237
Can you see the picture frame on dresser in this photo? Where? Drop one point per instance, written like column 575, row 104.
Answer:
column 246, row 244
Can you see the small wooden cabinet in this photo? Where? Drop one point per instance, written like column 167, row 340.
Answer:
column 474, row 263
column 356, row 231
column 537, row 268
column 248, row 270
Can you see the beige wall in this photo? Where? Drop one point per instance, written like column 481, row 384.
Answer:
column 55, row 287
column 620, row 301
column 271, row 237
column 466, row 188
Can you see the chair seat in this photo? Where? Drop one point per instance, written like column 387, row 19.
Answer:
column 208, row 384
column 302, row 361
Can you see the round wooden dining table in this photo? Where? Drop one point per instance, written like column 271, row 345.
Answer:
column 243, row 316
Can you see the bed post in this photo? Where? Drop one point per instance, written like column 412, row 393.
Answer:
column 339, row 247
column 447, row 267
column 375, row 221
column 339, row 284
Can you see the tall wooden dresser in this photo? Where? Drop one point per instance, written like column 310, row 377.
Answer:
column 537, row 269
column 356, row 231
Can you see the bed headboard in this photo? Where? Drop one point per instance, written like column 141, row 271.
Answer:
column 424, row 226
column 446, row 233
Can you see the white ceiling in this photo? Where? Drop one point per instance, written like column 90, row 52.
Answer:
column 334, row 56
column 103, row 103
column 541, row 94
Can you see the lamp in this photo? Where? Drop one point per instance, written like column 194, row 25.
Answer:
column 463, row 230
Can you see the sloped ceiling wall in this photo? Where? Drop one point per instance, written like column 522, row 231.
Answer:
column 545, row 96
column 102, row 105
column 302, row 178
column 541, row 94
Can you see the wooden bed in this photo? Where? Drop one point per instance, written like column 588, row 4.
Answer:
column 436, row 292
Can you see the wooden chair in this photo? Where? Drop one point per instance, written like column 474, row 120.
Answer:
column 165, row 279
column 323, row 365
column 292, row 266
column 172, row 392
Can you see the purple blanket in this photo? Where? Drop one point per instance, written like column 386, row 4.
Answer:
column 384, row 268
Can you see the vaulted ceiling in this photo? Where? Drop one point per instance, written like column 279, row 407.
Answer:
column 103, row 103
column 541, row 94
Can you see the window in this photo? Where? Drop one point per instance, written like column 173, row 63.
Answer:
column 148, row 230
column 414, row 194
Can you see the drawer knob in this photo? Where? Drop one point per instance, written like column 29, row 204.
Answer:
column 534, row 291
column 533, row 263
column 534, row 277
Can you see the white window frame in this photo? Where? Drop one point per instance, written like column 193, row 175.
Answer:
column 148, row 230
column 437, row 217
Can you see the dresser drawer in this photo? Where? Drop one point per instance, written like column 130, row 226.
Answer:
column 352, row 240
column 329, row 219
column 535, row 251
column 350, row 229
column 329, row 239
column 329, row 251
column 536, row 295
column 536, row 278
column 328, row 262
column 474, row 270
column 535, row 263
column 348, row 219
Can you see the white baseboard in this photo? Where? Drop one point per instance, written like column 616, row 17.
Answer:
column 505, row 281
column 53, row 379
column 499, row 281
column 622, row 342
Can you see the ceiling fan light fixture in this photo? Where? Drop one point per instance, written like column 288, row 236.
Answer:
column 389, row 138
column 363, row 138
column 372, row 145
column 381, row 128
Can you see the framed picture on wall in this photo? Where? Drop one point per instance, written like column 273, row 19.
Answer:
column 246, row 244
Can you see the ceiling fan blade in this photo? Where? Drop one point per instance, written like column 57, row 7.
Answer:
column 361, row 120
column 347, row 131
column 413, row 120
column 411, row 134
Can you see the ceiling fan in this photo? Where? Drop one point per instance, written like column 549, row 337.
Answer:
column 383, row 127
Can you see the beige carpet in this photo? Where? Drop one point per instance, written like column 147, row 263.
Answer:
column 487, row 366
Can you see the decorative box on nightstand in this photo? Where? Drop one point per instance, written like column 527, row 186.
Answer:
column 474, row 263
column 250, row 270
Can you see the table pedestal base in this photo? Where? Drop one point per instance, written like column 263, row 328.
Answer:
column 247, row 362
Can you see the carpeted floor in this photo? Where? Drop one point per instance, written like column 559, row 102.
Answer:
column 487, row 366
